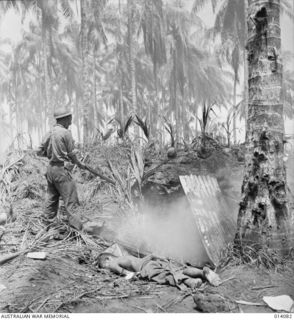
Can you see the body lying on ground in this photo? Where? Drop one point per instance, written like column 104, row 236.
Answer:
column 161, row 271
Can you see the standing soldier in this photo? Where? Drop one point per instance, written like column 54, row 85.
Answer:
column 58, row 147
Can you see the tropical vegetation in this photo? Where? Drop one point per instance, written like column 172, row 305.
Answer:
column 107, row 60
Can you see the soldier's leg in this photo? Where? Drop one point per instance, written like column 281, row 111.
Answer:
column 68, row 191
column 52, row 201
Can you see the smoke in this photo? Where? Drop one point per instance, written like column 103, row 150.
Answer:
column 167, row 231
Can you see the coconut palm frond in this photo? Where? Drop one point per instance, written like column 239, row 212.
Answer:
column 169, row 128
column 66, row 8
column 143, row 125
column 286, row 9
column 127, row 124
column 198, row 5
column 153, row 31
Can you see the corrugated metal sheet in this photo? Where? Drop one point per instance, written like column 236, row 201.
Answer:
column 210, row 213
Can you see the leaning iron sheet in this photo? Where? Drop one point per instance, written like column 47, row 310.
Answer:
column 209, row 210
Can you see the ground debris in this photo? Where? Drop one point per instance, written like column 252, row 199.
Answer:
column 37, row 255
column 2, row 287
column 248, row 303
column 214, row 303
column 280, row 303
column 3, row 218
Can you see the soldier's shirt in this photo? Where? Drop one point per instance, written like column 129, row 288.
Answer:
column 57, row 145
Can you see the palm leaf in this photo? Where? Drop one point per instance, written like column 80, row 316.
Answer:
column 153, row 31
column 143, row 125
column 67, row 10
column 169, row 128
column 200, row 4
column 127, row 124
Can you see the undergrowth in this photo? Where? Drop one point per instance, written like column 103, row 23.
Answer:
column 248, row 255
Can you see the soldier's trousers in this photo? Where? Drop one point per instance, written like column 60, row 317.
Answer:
column 60, row 184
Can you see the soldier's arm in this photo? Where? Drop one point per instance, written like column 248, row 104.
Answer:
column 41, row 151
column 71, row 151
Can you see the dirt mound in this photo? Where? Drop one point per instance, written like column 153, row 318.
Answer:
column 165, row 180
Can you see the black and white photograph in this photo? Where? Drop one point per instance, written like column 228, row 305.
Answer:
column 146, row 158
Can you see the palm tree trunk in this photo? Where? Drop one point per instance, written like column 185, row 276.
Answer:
column 47, row 89
column 85, row 75
column 40, row 110
column 40, row 100
column 234, row 110
column 183, row 118
column 186, row 129
column 177, row 120
column 149, row 118
column 132, row 66
column 77, row 6
column 78, row 118
column 95, row 117
column 16, row 104
column 11, row 121
column 174, row 95
column 121, row 104
column 196, row 120
column 47, row 83
column 245, row 98
column 153, row 121
column 228, row 134
column 119, row 39
column 265, row 221
column 161, row 132
column 47, row 103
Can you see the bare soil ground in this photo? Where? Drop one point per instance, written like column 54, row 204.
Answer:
column 62, row 284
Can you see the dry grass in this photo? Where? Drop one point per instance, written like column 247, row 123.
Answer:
column 57, row 281
column 8, row 174
column 250, row 256
column 55, row 288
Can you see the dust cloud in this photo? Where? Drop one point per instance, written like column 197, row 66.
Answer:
column 167, row 231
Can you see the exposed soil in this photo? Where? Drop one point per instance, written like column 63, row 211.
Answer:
column 60, row 284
